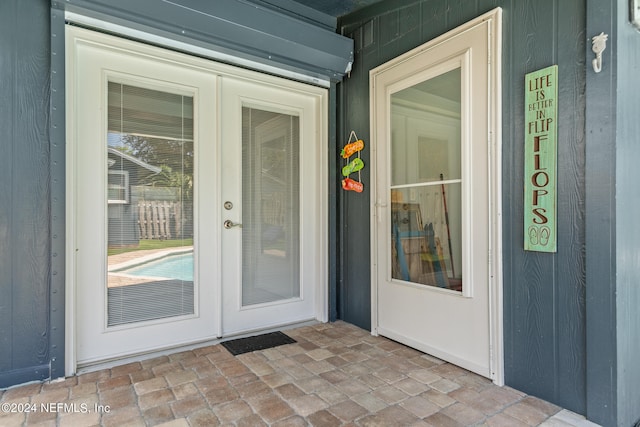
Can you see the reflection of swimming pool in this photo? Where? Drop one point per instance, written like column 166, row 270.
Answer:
column 170, row 267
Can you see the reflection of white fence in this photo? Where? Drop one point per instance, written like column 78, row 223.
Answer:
column 273, row 208
column 160, row 219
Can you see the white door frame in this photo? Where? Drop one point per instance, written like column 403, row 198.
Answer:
column 239, row 93
column 494, row 107
column 321, row 178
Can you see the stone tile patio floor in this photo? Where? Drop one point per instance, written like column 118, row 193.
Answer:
column 335, row 375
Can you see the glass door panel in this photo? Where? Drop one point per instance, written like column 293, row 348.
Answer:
column 136, row 147
column 426, row 182
column 271, row 206
column 436, row 197
column 272, row 154
column 150, row 157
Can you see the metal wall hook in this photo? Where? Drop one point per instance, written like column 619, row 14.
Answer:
column 598, row 45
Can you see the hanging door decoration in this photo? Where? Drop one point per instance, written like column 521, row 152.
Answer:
column 353, row 146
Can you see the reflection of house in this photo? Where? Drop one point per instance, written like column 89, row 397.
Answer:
column 124, row 173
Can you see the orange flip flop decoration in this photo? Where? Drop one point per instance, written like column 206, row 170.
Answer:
column 352, row 185
column 351, row 148
column 355, row 165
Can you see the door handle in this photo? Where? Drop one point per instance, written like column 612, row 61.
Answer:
column 230, row 224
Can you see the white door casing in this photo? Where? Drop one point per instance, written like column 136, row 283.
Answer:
column 463, row 327
column 93, row 59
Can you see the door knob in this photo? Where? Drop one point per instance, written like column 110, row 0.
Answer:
column 230, row 224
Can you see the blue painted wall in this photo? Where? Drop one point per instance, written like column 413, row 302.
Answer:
column 612, row 232
column 24, row 191
column 627, row 221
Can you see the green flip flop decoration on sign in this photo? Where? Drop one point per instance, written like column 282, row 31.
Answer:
column 354, row 166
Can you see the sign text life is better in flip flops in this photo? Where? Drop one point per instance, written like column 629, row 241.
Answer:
column 540, row 159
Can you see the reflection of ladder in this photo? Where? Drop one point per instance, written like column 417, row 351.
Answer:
column 437, row 258
column 420, row 257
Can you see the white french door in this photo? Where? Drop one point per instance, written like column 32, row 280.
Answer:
column 270, row 257
column 436, row 285
column 186, row 219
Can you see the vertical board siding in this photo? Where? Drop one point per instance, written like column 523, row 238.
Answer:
column 600, row 239
column 7, row 60
column 58, row 200
column 24, row 200
column 355, row 296
column 525, row 304
column 570, row 309
column 531, row 289
column 544, row 294
column 627, row 228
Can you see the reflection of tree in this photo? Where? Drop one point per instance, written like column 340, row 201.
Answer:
column 175, row 159
column 175, row 154
column 169, row 178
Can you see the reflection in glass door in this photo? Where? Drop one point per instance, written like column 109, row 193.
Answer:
column 150, row 159
column 426, row 182
column 271, row 206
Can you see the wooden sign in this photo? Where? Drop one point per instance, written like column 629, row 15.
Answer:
column 540, row 159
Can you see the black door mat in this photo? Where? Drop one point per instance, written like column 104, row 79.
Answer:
column 259, row 342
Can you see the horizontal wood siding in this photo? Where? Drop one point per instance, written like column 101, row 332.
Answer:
column 544, row 294
column 24, row 193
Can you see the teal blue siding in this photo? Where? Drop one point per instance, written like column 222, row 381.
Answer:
column 24, row 191
column 627, row 222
